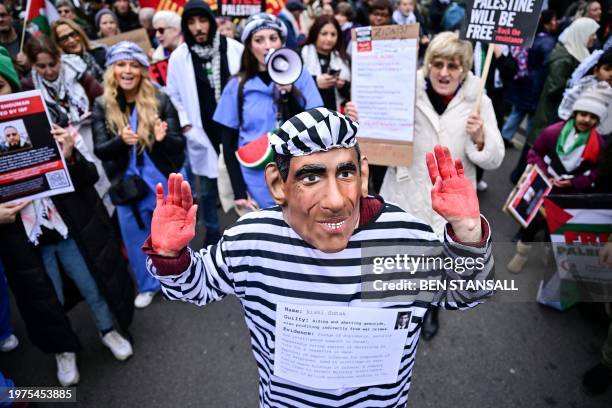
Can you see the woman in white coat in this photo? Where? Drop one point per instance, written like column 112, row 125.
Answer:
column 445, row 114
column 446, row 95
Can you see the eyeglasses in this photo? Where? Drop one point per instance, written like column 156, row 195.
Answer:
column 451, row 67
column 73, row 34
column 160, row 30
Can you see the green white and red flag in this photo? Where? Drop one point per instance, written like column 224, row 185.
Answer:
column 40, row 14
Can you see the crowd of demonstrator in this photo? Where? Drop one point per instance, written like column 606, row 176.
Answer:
column 121, row 133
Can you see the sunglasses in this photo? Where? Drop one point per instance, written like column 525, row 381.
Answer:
column 160, row 30
column 452, row 67
column 74, row 35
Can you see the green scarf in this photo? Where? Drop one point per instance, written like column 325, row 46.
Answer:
column 580, row 139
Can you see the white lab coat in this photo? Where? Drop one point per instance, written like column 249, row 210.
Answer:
column 181, row 88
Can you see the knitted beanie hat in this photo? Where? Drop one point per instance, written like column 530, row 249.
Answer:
column 7, row 70
column 102, row 12
column 263, row 21
column 126, row 50
column 595, row 100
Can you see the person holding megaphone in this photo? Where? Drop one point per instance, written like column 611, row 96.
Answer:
column 254, row 103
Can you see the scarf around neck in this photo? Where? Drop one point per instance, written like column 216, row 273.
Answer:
column 92, row 66
column 66, row 91
column 211, row 57
column 573, row 147
column 42, row 213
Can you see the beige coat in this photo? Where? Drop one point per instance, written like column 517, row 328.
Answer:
column 410, row 187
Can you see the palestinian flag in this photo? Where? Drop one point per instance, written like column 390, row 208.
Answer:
column 40, row 14
column 579, row 225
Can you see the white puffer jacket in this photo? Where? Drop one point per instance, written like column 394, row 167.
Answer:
column 410, row 187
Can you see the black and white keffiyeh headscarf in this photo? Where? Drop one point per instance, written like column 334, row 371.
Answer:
column 211, row 57
column 315, row 130
column 66, row 91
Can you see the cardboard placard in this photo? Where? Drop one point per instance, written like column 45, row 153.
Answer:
column 139, row 37
column 31, row 162
column 382, row 58
column 240, row 8
column 511, row 22
column 159, row 72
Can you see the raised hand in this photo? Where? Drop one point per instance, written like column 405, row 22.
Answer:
column 453, row 196
column 173, row 223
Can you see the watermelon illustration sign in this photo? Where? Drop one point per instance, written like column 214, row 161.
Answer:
column 256, row 154
column 511, row 22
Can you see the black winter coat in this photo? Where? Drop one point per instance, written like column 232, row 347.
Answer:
column 89, row 225
column 167, row 155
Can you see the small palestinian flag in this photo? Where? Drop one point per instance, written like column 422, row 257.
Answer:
column 40, row 14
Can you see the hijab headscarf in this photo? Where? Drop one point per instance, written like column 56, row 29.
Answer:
column 576, row 36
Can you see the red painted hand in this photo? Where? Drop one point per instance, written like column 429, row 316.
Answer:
column 453, row 196
column 173, row 223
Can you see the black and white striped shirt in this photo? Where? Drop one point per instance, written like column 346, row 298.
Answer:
column 262, row 261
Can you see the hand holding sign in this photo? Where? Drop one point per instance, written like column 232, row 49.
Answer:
column 8, row 211
column 64, row 138
column 453, row 196
column 475, row 129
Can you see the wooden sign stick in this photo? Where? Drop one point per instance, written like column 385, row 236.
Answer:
column 25, row 24
column 483, row 76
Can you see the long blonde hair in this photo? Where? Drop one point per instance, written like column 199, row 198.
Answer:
column 146, row 104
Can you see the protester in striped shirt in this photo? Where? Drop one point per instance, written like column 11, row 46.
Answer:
column 307, row 250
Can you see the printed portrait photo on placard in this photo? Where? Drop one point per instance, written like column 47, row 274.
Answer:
column 14, row 137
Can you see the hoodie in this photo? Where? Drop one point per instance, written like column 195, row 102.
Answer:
column 206, row 93
column 198, row 8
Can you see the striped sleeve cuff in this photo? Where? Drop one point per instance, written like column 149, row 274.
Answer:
column 167, row 266
column 486, row 234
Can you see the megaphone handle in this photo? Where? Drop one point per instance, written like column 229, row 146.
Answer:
column 282, row 106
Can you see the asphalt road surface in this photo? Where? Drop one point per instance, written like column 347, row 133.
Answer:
column 501, row 354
